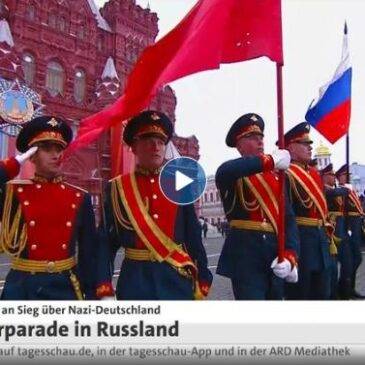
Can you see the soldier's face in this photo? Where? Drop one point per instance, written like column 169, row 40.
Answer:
column 149, row 151
column 329, row 179
column 252, row 145
column 48, row 159
column 342, row 179
column 300, row 151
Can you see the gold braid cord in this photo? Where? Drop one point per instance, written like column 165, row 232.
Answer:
column 250, row 206
column 230, row 210
column 116, row 208
column 13, row 237
column 76, row 285
column 306, row 203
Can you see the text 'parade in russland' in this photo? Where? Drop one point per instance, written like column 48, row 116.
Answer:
column 103, row 329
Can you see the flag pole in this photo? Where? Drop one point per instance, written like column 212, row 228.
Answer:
column 348, row 157
column 348, row 131
column 281, row 227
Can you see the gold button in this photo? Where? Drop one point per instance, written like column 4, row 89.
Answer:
column 73, row 206
column 26, row 203
column 20, row 190
column 68, row 224
column 32, row 223
column 78, row 195
column 33, row 247
column 155, row 216
column 63, row 186
column 64, row 246
column 38, row 186
column 51, row 266
column 154, row 196
column 152, row 180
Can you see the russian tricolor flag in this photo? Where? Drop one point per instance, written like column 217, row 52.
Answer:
column 330, row 114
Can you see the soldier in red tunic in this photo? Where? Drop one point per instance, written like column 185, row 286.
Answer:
column 47, row 225
column 164, row 254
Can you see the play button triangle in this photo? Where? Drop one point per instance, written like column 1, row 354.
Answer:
column 181, row 180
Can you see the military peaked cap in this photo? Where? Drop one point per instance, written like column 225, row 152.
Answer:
column 44, row 128
column 146, row 123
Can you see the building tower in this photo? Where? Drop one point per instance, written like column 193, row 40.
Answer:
column 323, row 155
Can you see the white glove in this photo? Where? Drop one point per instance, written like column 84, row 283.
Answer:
column 26, row 155
column 108, row 298
column 348, row 186
column 281, row 159
column 292, row 276
column 281, row 269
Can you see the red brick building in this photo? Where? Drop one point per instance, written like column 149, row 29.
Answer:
column 74, row 59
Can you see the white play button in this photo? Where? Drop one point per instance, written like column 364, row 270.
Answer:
column 181, row 180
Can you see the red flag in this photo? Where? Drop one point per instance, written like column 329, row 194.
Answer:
column 213, row 32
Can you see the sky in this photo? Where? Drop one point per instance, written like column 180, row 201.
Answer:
column 209, row 102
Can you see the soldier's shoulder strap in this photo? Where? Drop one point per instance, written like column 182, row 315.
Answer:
column 20, row 182
column 76, row 187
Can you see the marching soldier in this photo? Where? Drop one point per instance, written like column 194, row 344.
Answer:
column 309, row 204
column 249, row 189
column 47, row 225
column 353, row 216
column 336, row 197
column 164, row 254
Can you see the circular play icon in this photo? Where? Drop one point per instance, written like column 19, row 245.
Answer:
column 183, row 180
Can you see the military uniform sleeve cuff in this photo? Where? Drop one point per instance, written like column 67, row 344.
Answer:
column 11, row 167
column 291, row 256
column 201, row 290
column 267, row 162
column 104, row 290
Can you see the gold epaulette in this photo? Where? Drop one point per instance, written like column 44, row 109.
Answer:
column 20, row 182
column 76, row 187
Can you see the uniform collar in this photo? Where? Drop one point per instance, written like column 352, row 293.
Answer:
column 301, row 164
column 147, row 172
column 42, row 179
column 329, row 186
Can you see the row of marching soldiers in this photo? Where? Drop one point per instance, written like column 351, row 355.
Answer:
column 57, row 252
column 346, row 215
column 322, row 223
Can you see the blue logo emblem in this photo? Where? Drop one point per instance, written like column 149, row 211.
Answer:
column 183, row 180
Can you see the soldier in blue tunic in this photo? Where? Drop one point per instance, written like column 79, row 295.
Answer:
column 47, row 225
column 336, row 197
column 307, row 197
column 354, row 215
column 164, row 254
column 249, row 189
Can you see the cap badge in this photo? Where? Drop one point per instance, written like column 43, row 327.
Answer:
column 155, row 116
column 53, row 122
